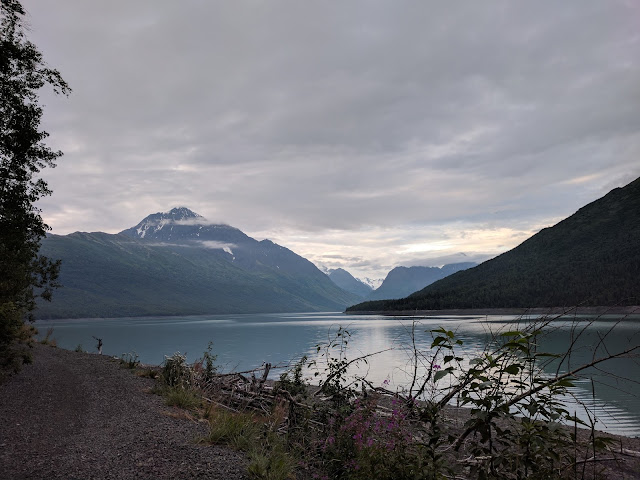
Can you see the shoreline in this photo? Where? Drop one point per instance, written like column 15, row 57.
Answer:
column 573, row 311
column 82, row 415
column 592, row 310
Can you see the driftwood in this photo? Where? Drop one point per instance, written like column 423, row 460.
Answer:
column 594, row 459
column 257, row 384
column 625, row 451
column 99, row 347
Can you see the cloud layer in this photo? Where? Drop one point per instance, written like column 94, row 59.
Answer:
column 361, row 134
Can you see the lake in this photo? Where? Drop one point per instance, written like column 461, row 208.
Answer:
column 242, row 342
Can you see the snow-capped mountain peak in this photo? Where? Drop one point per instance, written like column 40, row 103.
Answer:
column 181, row 225
column 157, row 221
column 181, row 213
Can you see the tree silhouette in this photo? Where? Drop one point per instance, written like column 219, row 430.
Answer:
column 24, row 274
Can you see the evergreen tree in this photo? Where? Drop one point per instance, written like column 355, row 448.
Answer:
column 24, row 274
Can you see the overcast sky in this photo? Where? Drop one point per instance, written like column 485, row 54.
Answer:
column 361, row 134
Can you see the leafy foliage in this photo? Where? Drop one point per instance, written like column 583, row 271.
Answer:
column 292, row 380
column 511, row 426
column 25, row 273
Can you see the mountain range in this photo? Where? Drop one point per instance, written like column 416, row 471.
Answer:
column 348, row 282
column 590, row 258
column 403, row 281
column 177, row 263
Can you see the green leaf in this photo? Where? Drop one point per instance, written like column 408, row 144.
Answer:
column 512, row 369
column 440, row 374
column 564, row 383
column 513, row 333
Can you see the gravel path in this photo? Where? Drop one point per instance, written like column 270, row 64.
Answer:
column 80, row 416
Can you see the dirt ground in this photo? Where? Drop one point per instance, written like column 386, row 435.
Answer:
column 79, row 416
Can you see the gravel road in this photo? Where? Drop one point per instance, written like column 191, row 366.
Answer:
column 81, row 416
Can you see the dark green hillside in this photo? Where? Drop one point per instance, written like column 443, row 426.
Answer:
column 590, row 258
column 107, row 275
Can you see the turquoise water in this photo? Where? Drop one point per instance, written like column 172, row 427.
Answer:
column 247, row 341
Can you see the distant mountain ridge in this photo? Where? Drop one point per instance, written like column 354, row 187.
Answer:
column 591, row 258
column 403, row 281
column 348, row 282
column 176, row 263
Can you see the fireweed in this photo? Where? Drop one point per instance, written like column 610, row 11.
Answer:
column 366, row 445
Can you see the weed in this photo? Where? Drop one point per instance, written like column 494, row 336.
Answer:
column 47, row 340
column 129, row 360
column 176, row 372
column 148, row 373
column 271, row 465
column 181, row 398
column 292, row 380
column 80, row 349
column 210, row 368
column 238, row 430
column 268, row 457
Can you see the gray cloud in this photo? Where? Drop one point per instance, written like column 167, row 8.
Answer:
column 376, row 119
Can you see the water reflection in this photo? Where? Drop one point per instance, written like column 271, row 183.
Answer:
column 246, row 341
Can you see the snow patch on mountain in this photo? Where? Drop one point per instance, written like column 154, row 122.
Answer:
column 214, row 245
column 372, row 282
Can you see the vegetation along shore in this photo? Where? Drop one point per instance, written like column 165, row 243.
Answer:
column 77, row 415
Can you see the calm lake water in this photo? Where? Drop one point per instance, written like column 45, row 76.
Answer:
column 246, row 341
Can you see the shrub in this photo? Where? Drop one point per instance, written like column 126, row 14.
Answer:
column 292, row 381
column 367, row 445
column 177, row 373
column 205, row 368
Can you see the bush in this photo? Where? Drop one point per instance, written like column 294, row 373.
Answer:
column 292, row 381
column 366, row 445
column 205, row 369
column 177, row 373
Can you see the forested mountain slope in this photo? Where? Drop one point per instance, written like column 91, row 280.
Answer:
column 590, row 258
column 175, row 263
